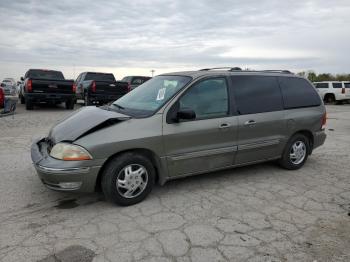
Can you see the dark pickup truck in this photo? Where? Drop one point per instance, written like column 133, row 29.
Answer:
column 99, row 88
column 47, row 86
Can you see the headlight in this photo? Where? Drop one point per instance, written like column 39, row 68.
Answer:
column 69, row 152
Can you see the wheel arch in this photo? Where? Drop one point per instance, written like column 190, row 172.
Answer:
column 143, row 151
column 308, row 134
column 329, row 94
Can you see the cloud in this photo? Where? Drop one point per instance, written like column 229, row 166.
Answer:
column 168, row 35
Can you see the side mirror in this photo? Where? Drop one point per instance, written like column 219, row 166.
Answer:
column 186, row 114
column 22, row 78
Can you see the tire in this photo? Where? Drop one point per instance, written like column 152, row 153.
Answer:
column 70, row 104
column 23, row 101
column 139, row 186
column 287, row 160
column 330, row 99
column 29, row 105
column 87, row 101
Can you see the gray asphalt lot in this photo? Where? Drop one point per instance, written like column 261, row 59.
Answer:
column 256, row 213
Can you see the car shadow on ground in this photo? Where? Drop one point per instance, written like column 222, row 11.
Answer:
column 234, row 176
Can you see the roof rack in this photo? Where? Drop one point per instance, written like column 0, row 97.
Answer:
column 226, row 67
column 240, row 69
column 277, row 71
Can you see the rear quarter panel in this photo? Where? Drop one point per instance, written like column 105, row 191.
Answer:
column 308, row 118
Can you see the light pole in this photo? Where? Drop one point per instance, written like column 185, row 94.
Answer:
column 152, row 71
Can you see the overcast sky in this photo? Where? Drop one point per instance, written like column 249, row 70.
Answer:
column 133, row 37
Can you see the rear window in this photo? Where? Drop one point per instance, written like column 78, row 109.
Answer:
column 99, row 77
column 337, row 85
column 256, row 94
column 298, row 92
column 45, row 74
column 139, row 80
column 347, row 85
column 322, row 85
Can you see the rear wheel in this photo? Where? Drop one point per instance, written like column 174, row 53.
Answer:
column 295, row 153
column 22, row 99
column 128, row 179
column 29, row 105
column 87, row 101
column 70, row 104
column 330, row 99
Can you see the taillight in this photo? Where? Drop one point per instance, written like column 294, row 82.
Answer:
column 74, row 88
column 93, row 87
column 324, row 121
column 2, row 98
column 343, row 90
column 29, row 85
column 129, row 87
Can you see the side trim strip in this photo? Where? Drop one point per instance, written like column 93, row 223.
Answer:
column 258, row 145
column 204, row 153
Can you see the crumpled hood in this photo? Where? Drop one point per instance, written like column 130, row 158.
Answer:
column 86, row 120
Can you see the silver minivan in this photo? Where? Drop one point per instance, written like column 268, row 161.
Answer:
column 182, row 124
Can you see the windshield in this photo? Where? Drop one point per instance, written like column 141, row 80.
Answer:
column 146, row 99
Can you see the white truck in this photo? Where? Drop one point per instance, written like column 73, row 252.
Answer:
column 334, row 91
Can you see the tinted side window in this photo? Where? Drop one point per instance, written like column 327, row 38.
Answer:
column 322, row 85
column 208, row 99
column 297, row 92
column 347, row 85
column 337, row 85
column 256, row 94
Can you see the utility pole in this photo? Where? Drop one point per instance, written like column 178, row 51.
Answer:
column 152, row 71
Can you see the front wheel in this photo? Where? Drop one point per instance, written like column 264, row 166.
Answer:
column 296, row 152
column 128, row 179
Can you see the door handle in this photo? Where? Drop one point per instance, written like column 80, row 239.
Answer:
column 224, row 125
column 250, row 123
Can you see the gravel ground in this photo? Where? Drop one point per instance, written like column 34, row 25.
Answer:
column 256, row 213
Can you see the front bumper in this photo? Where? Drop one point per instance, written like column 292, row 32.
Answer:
column 77, row 176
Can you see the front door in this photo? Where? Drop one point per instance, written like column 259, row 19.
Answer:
column 207, row 142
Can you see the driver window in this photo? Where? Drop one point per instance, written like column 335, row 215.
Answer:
column 208, row 99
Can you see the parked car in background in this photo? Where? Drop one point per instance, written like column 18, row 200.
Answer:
column 8, row 100
column 182, row 124
column 9, row 86
column 333, row 91
column 94, row 87
column 48, row 86
column 18, row 86
column 135, row 81
column 12, row 81
column 2, row 96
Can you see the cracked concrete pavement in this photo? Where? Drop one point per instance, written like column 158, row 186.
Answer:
column 255, row 213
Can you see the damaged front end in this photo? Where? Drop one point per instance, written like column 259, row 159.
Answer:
column 65, row 166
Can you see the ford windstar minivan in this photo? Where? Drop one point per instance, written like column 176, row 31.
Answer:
column 182, row 124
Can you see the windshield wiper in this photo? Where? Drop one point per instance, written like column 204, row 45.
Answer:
column 119, row 106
